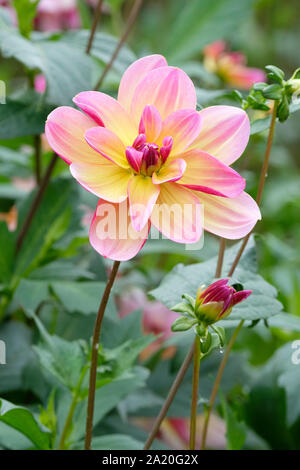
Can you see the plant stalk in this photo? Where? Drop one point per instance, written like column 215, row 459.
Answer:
column 36, row 203
column 37, row 158
column 68, row 422
column 171, row 395
column 132, row 17
column 196, row 371
column 94, row 359
column 97, row 15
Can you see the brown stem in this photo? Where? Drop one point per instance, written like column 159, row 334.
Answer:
column 37, row 157
column 195, row 391
column 132, row 17
column 36, row 203
column 262, row 179
column 171, row 395
column 94, row 358
column 217, row 382
column 220, row 257
column 97, row 15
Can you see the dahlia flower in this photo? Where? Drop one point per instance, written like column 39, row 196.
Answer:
column 151, row 158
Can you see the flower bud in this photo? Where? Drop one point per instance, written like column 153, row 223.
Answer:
column 216, row 301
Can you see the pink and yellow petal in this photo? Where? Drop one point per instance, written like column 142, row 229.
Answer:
column 170, row 172
column 208, row 174
column 177, row 214
column 184, row 126
column 167, row 88
column 112, row 234
column 65, row 129
column 142, row 194
column 229, row 218
column 107, row 112
column 150, row 123
column 107, row 181
column 108, row 144
column 225, row 132
column 135, row 74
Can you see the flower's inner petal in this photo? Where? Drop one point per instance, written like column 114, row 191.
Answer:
column 150, row 123
column 170, row 172
column 142, row 195
column 106, row 180
column 178, row 214
column 167, row 88
column 183, row 126
column 108, row 145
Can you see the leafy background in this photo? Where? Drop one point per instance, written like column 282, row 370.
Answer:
column 49, row 292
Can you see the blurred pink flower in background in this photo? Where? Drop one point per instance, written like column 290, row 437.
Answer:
column 53, row 15
column 175, row 432
column 40, row 83
column 156, row 318
column 10, row 9
column 231, row 66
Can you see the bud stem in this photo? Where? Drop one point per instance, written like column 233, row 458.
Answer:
column 196, row 370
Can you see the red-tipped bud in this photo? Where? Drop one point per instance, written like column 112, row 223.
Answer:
column 216, row 301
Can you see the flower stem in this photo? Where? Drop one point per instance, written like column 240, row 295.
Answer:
column 171, row 395
column 96, row 19
column 37, row 157
column 217, row 382
column 68, row 422
column 262, row 179
column 222, row 248
column 263, row 175
column 196, row 370
column 94, row 359
column 36, row 203
column 132, row 17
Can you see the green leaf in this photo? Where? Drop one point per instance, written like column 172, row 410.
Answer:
column 26, row 11
column 183, row 324
column 235, row 430
column 22, row 116
column 29, row 294
column 107, row 398
column 259, row 305
column 23, row 420
column 7, row 252
column 103, row 48
column 49, row 223
column 199, row 23
column 275, row 73
column 82, row 297
column 63, row 359
column 56, row 59
column 18, row 339
column 272, row 92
